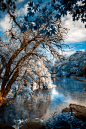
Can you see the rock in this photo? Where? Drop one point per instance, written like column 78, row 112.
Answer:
column 33, row 125
column 5, row 126
column 80, row 111
column 67, row 109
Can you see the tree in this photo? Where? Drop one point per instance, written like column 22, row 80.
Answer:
column 25, row 42
column 84, row 70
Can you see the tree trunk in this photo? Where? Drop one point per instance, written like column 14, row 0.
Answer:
column 16, row 92
column 2, row 99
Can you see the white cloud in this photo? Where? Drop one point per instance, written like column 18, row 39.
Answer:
column 20, row 0
column 77, row 32
column 67, row 52
column 82, row 50
column 22, row 11
column 5, row 23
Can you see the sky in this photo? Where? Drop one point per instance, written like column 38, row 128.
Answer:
column 76, row 37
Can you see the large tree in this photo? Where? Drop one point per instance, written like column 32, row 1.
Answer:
column 25, row 42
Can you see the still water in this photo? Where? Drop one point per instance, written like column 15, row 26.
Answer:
column 45, row 103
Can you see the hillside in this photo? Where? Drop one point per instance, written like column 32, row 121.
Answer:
column 72, row 65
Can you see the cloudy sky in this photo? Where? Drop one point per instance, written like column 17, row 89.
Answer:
column 76, row 36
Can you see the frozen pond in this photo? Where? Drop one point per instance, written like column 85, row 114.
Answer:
column 45, row 103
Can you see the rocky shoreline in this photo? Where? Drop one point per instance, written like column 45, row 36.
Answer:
column 30, row 125
column 73, row 113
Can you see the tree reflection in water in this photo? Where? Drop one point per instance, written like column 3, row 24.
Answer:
column 32, row 109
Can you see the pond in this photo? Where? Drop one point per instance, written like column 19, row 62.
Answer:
column 45, row 103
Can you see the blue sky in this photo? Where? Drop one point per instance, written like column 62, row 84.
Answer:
column 75, row 37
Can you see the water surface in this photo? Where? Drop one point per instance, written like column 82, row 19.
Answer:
column 45, row 103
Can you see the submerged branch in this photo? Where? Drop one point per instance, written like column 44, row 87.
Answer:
column 75, row 77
